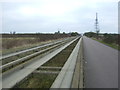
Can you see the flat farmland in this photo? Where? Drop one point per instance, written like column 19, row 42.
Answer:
column 13, row 43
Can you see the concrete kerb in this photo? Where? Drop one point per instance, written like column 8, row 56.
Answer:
column 64, row 79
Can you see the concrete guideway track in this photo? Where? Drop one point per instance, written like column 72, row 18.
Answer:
column 65, row 77
column 10, row 80
column 34, row 48
column 101, row 65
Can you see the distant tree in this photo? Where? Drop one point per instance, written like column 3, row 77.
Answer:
column 14, row 32
column 90, row 34
column 63, row 32
column 58, row 32
column 109, row 38
column 10, row 32
column 74, row 33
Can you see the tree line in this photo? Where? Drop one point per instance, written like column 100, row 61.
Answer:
column 106, row 37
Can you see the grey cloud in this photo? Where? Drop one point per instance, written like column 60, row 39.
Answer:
column 81, row 19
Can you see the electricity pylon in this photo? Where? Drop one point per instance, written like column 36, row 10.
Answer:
column 97, row 25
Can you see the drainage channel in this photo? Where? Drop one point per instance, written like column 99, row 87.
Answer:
column 44, row 76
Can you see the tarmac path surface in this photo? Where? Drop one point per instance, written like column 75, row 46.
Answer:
column 101, row 65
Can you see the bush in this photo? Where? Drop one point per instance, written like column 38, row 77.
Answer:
column 90, row 34
column 110, row 38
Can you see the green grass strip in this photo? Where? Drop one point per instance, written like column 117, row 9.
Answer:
column 115, row 46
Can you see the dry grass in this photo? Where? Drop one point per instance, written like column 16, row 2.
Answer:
column 11, row 41
column 10, row 45
column 61, row 58
column 38, row 81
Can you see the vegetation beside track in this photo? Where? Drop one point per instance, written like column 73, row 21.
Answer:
column 37, row 81
column 17, row 42
column 112, row 40
column 60, row 59
column 46, row 80
column 113, row 45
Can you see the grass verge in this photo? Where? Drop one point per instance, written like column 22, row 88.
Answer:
column 38, row 81
column 115, row 46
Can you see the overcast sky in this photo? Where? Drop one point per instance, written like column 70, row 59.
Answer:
column 49, row 16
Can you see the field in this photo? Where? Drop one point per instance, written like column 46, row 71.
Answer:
column 13, row 43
